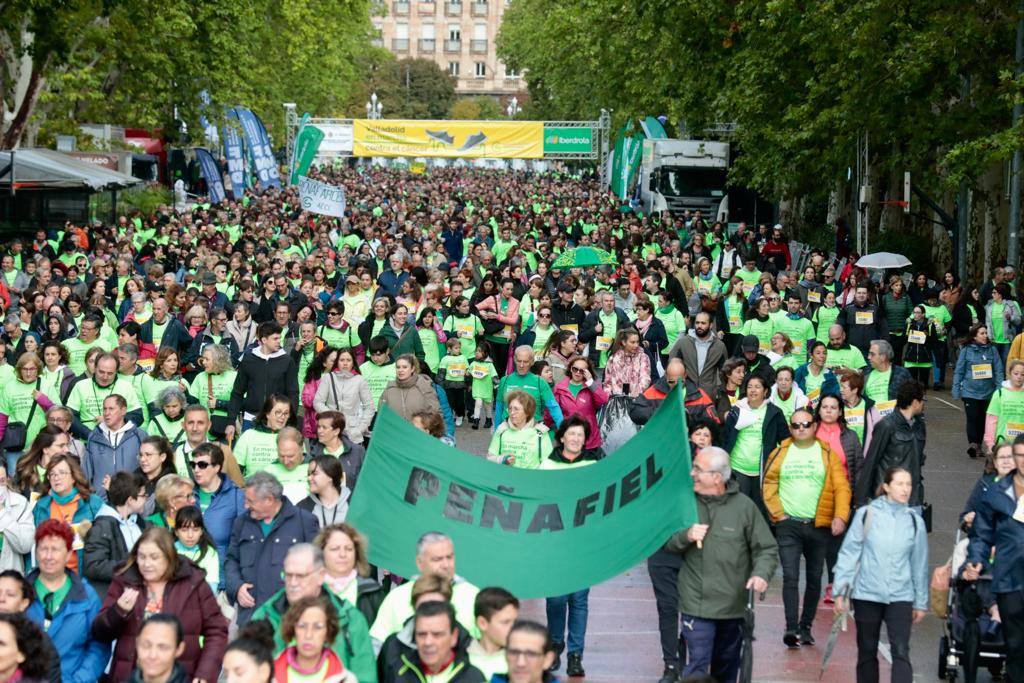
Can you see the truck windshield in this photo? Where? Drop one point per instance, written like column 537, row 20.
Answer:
column 676, row 181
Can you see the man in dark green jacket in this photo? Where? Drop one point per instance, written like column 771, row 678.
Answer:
column 728, row 552
column 304, row 577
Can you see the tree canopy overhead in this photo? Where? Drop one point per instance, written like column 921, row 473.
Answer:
column 928, row 81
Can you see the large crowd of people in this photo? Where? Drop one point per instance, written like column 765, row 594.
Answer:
column 186, row 400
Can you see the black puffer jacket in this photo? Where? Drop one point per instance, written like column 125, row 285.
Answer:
column 894, row 443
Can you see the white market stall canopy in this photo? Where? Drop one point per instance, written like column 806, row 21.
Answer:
column 44, row 169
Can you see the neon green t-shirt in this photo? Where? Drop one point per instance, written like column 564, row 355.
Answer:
column 1008, row 406
column 745, row 456
column 801, row 480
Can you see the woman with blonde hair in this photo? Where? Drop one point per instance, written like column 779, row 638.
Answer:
column 172, row 493
column 347, row 568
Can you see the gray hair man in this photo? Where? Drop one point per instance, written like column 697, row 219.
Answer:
column 255, row 558
column 717, row 571
column 524, row 380
column 435, row 554
column 883, row 379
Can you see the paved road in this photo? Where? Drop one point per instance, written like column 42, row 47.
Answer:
column 622, row 635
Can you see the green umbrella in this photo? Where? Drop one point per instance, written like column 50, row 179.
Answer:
column 583, row 256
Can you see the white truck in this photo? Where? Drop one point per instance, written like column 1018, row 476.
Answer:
column 685, row 174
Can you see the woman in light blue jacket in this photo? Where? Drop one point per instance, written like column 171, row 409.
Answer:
column 978, row 373
column 883, row 568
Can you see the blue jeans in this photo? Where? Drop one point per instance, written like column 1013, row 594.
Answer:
column 713, row 646
column 577, row 605
column 12, row 461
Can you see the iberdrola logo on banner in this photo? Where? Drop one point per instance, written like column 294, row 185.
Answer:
column 450, row 139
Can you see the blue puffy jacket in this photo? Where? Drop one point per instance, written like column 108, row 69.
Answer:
column 82, row 659
column 86, row 511
column 890, row 564
column 830, row 387
column 227, row 504
column 971, row 356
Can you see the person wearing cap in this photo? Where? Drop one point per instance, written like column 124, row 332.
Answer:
column 567, row 314
column 796, row 326
column 749, row 351
column 217, row 298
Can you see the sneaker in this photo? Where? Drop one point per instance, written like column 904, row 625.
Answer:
column 972, row 451
column 791, row 640
column 937, row 387
column 458, row 421
column 489, row 423
column 559, row 648
column 829, row 600
column 474, row 423
column 671, row 675
column 574, row 665
column 805, row 637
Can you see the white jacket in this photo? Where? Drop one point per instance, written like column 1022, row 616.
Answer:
column 18, row 530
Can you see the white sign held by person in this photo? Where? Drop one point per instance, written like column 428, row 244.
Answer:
column 321, row 198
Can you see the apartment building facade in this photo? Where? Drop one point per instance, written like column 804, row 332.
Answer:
column 459, row 36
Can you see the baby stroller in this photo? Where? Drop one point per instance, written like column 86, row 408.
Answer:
column 971, row 638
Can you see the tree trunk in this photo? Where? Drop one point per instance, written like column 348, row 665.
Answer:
column 12, row 137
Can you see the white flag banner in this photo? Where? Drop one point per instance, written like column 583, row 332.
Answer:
column 321, row 198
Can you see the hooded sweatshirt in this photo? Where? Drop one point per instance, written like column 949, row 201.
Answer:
column 326, row 516
column 259, row 376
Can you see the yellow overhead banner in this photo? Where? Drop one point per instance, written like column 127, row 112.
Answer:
column 452, row 139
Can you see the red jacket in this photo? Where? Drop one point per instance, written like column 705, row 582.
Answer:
column 585, row 404
column 282, row 672
column 189, row 597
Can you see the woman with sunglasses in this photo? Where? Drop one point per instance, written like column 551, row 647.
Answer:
column 580, row 394
column 541, row 331
column 337, row 331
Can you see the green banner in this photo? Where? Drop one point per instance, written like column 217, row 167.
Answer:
column 561, row 140
column 538, row 533
column 307, row 142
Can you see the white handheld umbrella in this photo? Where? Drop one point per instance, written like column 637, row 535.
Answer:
column 883, row 260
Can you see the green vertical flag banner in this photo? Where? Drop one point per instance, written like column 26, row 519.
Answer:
column 307, row 142
column 538, row 533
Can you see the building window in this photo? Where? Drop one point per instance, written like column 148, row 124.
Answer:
column 511, row 73
column 453, row 68
column 454, row 32
column 480, row 69
column 427, row 31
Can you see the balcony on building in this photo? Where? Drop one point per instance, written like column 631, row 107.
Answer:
column 478, row 47
column 399, row 44
column 479, row 9
column 453, row 9
column 426, row 8
column 427, row 45
column 400, row 8
column 453, row 45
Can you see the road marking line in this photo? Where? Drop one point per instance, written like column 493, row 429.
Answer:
column 951, row 405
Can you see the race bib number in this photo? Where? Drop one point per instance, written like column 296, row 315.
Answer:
column 916, row 337
column 734, row 321
column 1018, row 513
column 763, row 346
column 1014, row 429
column 814, row 297
column 864, row 318
column 603, row 343
column 575, row 329
column 479, row 374
column 855, row 418
column 77, row 543
column 798, row 346
column 704, row 287
column 748, row 287
column 886, row 407
column 456, row 371
column 981, row 371
column 464, row 331
column 147, row 364
column 814, row 396
column 506, row 332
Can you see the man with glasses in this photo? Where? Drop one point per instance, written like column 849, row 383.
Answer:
column 522, row 379
column 897, row 441
column 255, row 558
column 882, row 381
column 529, row 653
column 729, row 552
column 112, row 446
column 807, row 497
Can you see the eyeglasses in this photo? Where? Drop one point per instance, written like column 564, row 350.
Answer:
column 531, row 655
column 543, row 315
column 56, row 474
column 200, row 464
column 801, row 425
column 333, row 312
column 576, row 369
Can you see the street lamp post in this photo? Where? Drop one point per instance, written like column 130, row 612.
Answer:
column 513, row 108
column 374, row 107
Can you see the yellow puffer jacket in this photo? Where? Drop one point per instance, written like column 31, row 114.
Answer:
column 835, row 494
